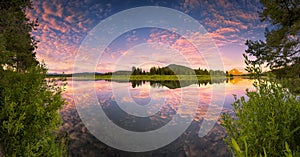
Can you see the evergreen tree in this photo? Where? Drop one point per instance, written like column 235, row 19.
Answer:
column 28, row 103
column 282, row 45
column 15, row 29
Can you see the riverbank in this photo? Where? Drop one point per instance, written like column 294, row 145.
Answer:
column 147, row 77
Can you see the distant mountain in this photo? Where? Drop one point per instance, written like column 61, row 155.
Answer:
column 58, row 75
column 234, row 71
column 122, row 72
column 181, row 70
column 87, row 73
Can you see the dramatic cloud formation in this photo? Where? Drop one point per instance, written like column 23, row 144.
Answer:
column 63, row 25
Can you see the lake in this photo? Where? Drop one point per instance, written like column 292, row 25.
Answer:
column 140, row 107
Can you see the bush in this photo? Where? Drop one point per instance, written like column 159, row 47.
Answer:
column 267, row 124
column 293, row 84
column 29, row 114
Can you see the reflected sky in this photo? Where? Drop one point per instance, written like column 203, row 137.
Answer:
column 164, row 103
column 160, row 97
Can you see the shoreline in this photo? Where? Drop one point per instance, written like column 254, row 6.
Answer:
column 146, row 77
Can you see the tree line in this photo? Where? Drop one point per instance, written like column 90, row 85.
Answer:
column 178, row 71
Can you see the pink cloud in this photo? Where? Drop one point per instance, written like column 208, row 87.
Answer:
column 235, row 24
column 58, row 33
column 70, row 19
column 62, row 28
column 185, row 47
column 226, row 30
column 217, row 36
column 247, row 16
column 52, row 9
column 191, row 4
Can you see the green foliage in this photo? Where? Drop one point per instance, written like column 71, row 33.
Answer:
column 201, row 72
column 292, row 84
column 174, row 69
column 267, row 124
column 161, row 71
column 137, row 71
column 29, row 104
column 29, row 114
column 281, row 50
column 240, row 153
column 15, row 35
column 281, row 47
column 289, row 77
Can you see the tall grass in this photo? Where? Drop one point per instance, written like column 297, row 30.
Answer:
column 268, row 124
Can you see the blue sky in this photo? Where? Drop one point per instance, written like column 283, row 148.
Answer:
column 63, row 25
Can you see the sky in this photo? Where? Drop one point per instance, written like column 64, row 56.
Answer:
column 65, row 28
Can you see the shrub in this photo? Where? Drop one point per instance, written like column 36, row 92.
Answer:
column 268, row 123
column 29, row 114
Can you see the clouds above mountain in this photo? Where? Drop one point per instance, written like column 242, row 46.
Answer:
column 63, row 25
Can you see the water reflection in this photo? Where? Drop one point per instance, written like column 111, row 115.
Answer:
column 180, row 84
column 82, row 143
column 235, row 80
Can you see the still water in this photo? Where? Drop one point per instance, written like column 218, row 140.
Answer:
column 197, row 104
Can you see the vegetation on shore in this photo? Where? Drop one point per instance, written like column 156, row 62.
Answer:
column 171, row 72
column 281, row 49
column 29, row 114
column 28, row 103
column 268, row 123
column 146, row 77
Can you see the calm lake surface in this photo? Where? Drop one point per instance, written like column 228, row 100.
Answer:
column 163, row 101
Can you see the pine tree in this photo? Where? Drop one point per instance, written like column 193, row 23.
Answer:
column 28, row 104
column 15, row 37
column 282, row 45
